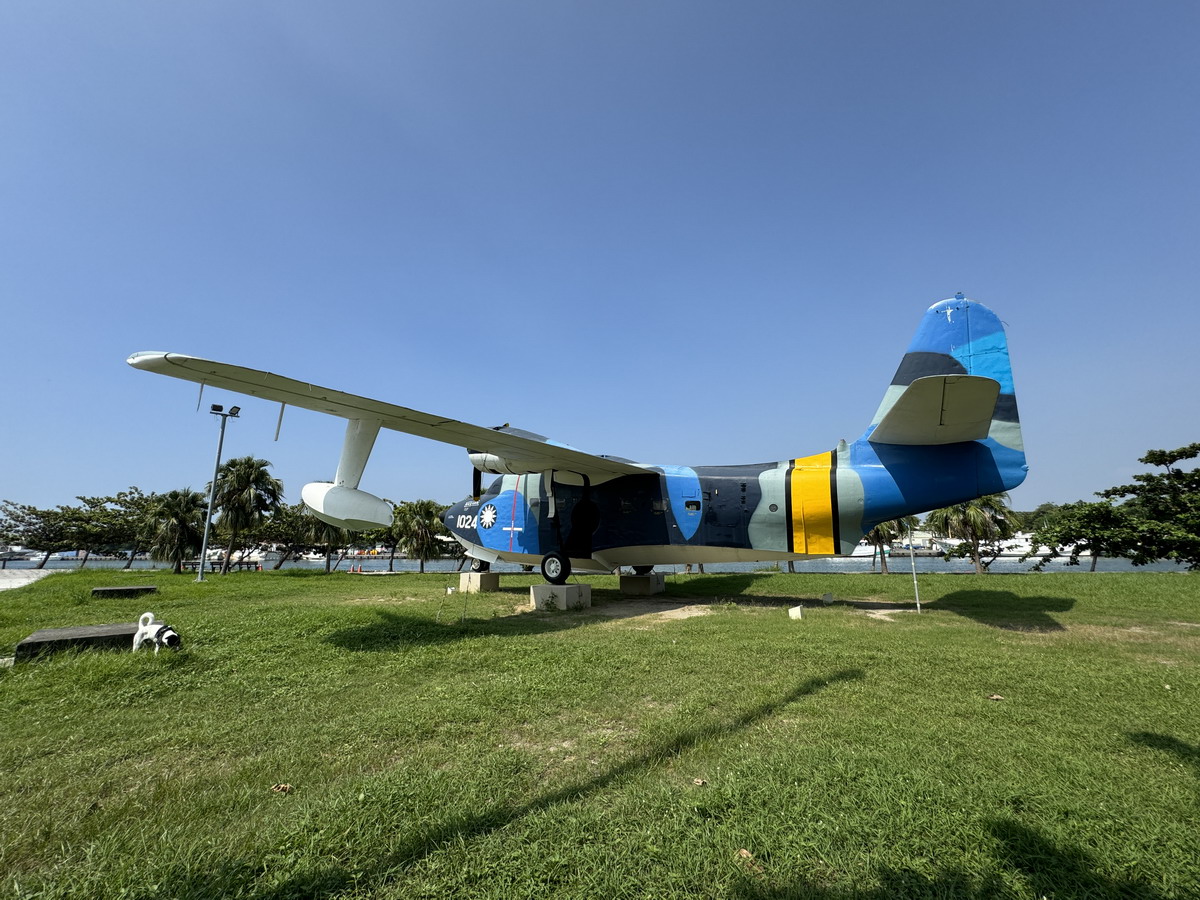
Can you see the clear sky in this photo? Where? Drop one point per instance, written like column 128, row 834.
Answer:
column 677, row 231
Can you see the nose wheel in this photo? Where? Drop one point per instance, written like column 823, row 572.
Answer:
column 556, row 568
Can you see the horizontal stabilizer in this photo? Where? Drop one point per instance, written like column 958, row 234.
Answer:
column 940, row 409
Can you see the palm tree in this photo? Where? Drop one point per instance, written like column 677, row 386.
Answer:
column 246, row 492
column 985, row 520
column 885, row 534
column 417, row 523
column 178, row 526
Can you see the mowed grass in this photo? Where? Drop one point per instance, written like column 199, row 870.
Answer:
column 700, row 744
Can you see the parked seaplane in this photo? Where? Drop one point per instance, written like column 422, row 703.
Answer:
column 946, row 432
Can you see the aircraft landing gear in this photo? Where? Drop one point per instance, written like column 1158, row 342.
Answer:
column 479, row 565
column 556, row 568
column 642, row 570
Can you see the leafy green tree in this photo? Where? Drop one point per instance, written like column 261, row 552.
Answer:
column 246, row 492
column 133, row 521
column 1040, row 517
column 416, row 525
column 47, row 530
column 1166, row 508
column 883, row 535
column 92, row 525
column 1096, row 529
column 179, row 527
column 288, row 528
column 982, row 525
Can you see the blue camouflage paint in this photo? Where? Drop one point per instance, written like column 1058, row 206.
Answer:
column 505, row 524
column 900, row 480
column 744, row 512
column 683, row 484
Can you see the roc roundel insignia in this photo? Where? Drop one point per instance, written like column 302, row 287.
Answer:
column 487, row 516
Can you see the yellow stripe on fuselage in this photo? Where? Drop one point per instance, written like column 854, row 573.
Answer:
column 812, row 506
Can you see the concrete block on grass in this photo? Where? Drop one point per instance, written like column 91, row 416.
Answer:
column 478, row 582
column 560, row 596
column 643, row 585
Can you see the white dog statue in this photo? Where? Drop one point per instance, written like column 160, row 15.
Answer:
column 151, row 631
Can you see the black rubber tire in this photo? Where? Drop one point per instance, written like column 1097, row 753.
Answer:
column 556, row 568
column 642, row 570
column 479, row 565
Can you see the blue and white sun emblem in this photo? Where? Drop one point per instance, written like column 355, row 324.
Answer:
column 487, row 516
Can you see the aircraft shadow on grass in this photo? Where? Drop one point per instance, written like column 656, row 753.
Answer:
column 333, row 879
column 1004, row 609
column 734, row 587
column 396, row 630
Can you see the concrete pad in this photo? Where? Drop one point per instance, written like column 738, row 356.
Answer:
column 643, row 585
column 560, row 596
column 98, row 637
column 15, row 578
column 478, row 582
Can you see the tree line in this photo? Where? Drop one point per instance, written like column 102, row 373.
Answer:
column 1154, row 517
column 248, row 512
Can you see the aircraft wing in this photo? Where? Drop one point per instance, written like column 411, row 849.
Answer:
column 522, row 452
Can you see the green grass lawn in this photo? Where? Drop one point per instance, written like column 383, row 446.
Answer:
column 462, row 746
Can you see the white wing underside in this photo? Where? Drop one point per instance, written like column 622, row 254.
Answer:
column 939, row 409
column 520, row 452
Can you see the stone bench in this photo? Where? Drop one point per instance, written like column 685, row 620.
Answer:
column 125, row 590
column 98, row 637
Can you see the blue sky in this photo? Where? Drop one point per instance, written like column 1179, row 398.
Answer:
column 681, row 232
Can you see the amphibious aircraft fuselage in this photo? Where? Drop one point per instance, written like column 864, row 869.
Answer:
column 947, row 431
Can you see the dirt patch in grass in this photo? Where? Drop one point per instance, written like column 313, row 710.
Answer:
column 362, row 601
column 650, row 611
column 883, row 610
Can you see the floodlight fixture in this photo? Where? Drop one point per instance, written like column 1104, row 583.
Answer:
column 216, row 409
column 234, row 410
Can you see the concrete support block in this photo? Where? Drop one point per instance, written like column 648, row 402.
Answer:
column 478, row 582
column 796, row 612
column 560, row 596
column 643, row 585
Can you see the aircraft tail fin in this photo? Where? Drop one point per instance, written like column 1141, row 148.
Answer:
column 954, row 383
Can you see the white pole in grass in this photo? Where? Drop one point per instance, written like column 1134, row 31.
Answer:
column 912, row 555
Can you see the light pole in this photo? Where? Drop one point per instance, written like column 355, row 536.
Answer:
column 217, row 410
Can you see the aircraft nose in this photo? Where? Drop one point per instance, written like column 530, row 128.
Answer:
column 456, row 519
